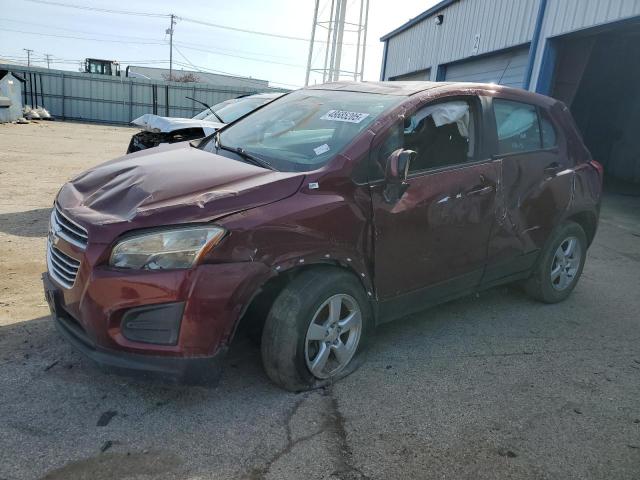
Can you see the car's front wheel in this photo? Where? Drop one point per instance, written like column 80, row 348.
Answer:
column 315, row 330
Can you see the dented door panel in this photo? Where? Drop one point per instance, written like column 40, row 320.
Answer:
column 533, row 201
column 437, row 231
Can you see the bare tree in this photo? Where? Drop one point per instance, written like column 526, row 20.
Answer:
column 186, row 77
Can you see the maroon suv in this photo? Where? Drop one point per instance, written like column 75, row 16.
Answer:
column 320, row 215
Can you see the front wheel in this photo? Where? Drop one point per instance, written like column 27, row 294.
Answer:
column 315, row 330
column 560, row 265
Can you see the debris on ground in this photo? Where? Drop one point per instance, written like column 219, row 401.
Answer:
column 50, row 366
column 106, row 417
column 106, row 446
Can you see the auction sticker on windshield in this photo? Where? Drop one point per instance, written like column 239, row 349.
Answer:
column 321, row 149
column 344, row 116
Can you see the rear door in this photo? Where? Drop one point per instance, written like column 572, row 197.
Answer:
column 432, row 242
column 537, row 178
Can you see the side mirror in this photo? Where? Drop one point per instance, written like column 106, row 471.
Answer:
column 396, row 174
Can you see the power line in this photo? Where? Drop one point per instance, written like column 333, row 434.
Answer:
column 209, row 70
column 273, row 62
column 168, row 15
column 189, row 45
column 210, row 49
column 250, row 31
column 160, row 15
column 84, row 38
column 75, row 30
column 102, row 10
column 242, row 30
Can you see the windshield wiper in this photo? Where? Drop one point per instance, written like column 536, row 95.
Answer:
column 204, row 104
column 260, row 162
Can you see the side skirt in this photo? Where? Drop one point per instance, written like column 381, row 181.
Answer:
column 423, row 299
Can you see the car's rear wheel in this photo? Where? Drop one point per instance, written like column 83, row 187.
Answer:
column 315, row 330
column 560, row 265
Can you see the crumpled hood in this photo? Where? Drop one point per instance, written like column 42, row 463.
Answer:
column 155, row 123
column 174, row 183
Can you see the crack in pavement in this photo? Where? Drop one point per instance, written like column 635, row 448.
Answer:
column 334, row 424
column 344, row 454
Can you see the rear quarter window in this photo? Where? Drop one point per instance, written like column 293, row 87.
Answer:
column 548, row 131
column 518, row 127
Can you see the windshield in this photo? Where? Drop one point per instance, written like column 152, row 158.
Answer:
column 233, row 111
column 205, row 113
column 305, row 129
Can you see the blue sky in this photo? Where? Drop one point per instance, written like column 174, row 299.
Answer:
column 136, row 39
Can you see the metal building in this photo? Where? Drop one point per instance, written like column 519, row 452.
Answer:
column 162, row 74
column 583, row 52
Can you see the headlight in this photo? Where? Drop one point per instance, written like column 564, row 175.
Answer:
column 177, row 248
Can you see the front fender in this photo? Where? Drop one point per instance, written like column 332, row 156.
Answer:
column 305, row 229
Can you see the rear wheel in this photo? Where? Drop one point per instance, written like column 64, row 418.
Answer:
column 315, row 330
column 560, row 265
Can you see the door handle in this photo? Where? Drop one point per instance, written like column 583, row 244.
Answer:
column 479, row 190
column 552, row 168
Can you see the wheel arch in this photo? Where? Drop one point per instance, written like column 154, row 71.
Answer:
column 253, row 316
column 589, row 223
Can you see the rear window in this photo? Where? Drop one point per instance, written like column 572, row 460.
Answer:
column 518, row 127
column 522, row 127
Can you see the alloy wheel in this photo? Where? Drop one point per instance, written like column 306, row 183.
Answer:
column 333, row 336
column 566, row 263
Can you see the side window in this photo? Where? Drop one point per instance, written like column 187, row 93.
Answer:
column 441, row 134
column 518, row 126
column 549, row 136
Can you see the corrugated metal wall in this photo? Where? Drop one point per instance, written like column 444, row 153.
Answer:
column 502, row 68
column 420, row 76
column 98, row 98
column 476, row 27
column 564, row 16
column 470, row 27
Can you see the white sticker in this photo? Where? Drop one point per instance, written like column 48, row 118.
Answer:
column 344, row 116
column 321, row 149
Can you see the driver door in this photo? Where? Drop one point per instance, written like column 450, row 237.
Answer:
column 431, row 244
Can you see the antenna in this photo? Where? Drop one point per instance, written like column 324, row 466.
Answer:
column 345, row 24
column 505, row 70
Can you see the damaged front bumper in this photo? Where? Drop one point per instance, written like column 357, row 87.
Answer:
column 98, row 317
column 201, row 370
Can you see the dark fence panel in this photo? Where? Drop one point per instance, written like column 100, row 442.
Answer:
column 98, row 98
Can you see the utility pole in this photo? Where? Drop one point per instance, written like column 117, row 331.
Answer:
column 170, row 32
column 29, row 52
column 48, row 57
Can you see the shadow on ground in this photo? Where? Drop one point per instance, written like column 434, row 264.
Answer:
column 32, row 223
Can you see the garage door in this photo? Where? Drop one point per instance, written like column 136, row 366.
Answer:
column 503, row 68
column 421, row 76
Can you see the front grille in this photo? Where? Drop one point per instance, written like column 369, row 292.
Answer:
column 64, row 227
column 62, row 268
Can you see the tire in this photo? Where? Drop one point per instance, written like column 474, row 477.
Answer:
column 290, row 344
column 556, row 272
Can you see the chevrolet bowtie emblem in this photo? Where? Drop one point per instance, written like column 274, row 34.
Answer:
column 53, row 234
